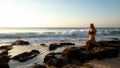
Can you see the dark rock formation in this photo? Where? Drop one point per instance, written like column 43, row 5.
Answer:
column 26, row 56
column 7, row 47
column 51, row 60
column 20, row 42
column 78, row 66
column 4, row 59
column 79, row 53
column 48, row 57
column 3, row 63
column 53, row 46
column 74, row 53
column 113, row 43
column 39, row 66
column 42, row 44
column 66, row 43
column 77, row 56
column 114, row 39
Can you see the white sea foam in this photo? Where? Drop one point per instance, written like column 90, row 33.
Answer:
column 65, row 33
column 52, row 35
column 47, row 36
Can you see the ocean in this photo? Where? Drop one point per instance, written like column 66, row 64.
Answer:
column 37, row 36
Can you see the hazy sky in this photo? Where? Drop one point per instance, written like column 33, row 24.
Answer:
column 59, row 13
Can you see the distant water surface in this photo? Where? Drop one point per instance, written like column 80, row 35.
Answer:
column 7, row 35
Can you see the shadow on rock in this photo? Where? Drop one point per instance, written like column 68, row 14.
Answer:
column 26, row 56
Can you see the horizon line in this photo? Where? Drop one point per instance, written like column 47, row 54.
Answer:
column 58, row 27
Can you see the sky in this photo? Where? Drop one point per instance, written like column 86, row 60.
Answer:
column 59, row 13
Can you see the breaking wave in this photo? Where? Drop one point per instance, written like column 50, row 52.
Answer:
column 70, row 33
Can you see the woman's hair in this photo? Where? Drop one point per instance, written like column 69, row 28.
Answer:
column 92, row 26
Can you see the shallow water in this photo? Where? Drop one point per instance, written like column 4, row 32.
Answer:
column 39, row 59
column 37, row 36
column 105, row 63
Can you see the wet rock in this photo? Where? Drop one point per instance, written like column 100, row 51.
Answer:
column 4, row 53
column 80, row 53
column 20, row 42
column 104, row 52
column 42, row 44
column 110, row 43
column 76, row 56
column 73, row 53
column 86, row 65
column 4, row 59
column 114, row 39
column 72, row 66
column 58, row 62
column 39, row 66
column 49, row 57
column 111, row 39
column 26, row 56
column 36, row 52
column 51, row 60
column 7, row 47
column 53, row 46
column 66, row 43
column 4, row 65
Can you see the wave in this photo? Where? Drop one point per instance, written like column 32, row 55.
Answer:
column 110, row 32
column 70, row 33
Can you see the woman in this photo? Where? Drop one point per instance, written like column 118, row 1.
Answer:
column 91, row 35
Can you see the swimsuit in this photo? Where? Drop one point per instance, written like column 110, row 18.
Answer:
column 92, row 32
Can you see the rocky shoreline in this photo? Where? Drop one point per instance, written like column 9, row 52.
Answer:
column 74, row 56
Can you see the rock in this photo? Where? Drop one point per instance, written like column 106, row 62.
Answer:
column 7, row 47
column 86, row 65
column 49, row 57
column 74, row 62
column 109, row 43
column 39, row 66
column 26, row 56
column 80, row 53
column 77, row 56
column 72, row 66
column 35, row 52
column 53, row 46
column 66, row 43
column 20, row 42
column 4, row 59
column 104, row 52
column 51, row 60
column 4, row 65
column 111, row 39
column 114, row 39
column 58, row 62
column 73, row 53
column 4, row 53
column 42, row 44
